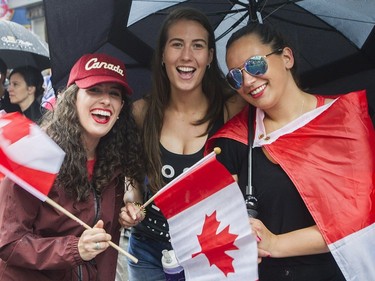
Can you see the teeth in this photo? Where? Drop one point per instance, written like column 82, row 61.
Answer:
column 185, row 68
column 258, row 90
column 101, row 112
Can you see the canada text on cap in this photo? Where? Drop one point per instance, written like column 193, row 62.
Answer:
column 92, row 69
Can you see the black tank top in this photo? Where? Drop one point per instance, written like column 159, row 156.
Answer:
column 155, row 225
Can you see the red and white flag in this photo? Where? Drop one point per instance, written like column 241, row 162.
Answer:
column 208, row 224
column 332, row 164
column 27, row 155
column 333, row 167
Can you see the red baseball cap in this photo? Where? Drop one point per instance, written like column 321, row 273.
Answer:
column 92, row 69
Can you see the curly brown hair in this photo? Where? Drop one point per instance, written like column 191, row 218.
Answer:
column 118, row 155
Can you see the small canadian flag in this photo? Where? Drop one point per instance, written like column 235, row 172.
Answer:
column 208, row 224
column 27, row 155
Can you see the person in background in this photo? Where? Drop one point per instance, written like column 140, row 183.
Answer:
column 26, row 90
column 94, row 125
column 49, row 97
column 189, row 101
column 305, row 149
column 4, row 95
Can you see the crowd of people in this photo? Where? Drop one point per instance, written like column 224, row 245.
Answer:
column 273, row 136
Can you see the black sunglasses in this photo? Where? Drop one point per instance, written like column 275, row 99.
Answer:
column 255, row 66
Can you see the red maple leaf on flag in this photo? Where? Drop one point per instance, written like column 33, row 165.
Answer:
column 214, row 245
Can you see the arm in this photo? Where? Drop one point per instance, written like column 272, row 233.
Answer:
column 19, row 244
column 233, row 106
column 306, row 241
column 27, row 236
column 139, row 112
column 131, row 214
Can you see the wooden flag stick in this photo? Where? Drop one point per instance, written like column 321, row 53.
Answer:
column 216, row 151
column 73, row 217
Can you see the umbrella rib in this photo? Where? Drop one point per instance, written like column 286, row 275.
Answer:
column 226, row 12
column 236, row 2
column 302, row 24
column 233, row 26
column 274, row 11
column 345, row 19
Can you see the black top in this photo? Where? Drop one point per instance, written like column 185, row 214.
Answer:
column 35, row 112
column 280, row 207
column 6, row 105
column 155, row 225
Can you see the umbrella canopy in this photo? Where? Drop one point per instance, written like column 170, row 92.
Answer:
column 19, row 46
column 334, row 38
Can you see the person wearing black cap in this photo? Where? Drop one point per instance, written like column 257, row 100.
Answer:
column 93, row 124
column 4, row 95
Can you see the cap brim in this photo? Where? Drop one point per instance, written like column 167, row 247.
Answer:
column 94, row 80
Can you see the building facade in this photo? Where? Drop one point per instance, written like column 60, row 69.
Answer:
column 33, row 12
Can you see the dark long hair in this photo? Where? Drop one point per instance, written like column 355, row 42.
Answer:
column 268, row 35
column 214, row 88
column 119, row 153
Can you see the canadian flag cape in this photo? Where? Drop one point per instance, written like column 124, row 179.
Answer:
column 331, row 161
column 208, row 224
column 27, row 155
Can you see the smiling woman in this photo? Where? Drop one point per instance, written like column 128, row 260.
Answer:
column 189, row 101
column 282, row 145
column 94, row 125
column 99, row 105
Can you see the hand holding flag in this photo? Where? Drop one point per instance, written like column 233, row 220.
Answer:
column 208, row 223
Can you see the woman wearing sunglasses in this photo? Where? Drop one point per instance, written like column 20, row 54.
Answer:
column 308, row 153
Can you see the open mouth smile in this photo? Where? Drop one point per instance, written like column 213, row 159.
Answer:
column 101, row 116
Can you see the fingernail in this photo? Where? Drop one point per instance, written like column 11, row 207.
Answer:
column 268, row 256
column 259, row 239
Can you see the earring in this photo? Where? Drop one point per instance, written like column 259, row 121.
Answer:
column 208, row 66
column 162, row 64
column 118, row 117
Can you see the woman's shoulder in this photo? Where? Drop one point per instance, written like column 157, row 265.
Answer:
column 139, row 111
column 233, row 106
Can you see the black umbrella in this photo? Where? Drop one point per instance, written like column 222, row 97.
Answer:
column 88, row 26
column 19, row 46
column 325, row 32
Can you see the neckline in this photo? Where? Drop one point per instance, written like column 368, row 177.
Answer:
column 181, row 155
column 262, row 138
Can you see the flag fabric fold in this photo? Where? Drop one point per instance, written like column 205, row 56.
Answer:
column 337, row 180
column 27, row 155
column 208, row 224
